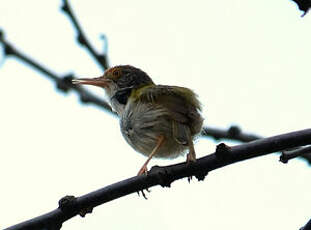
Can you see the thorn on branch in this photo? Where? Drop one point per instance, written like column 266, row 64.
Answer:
column 67, row 203
column 201, row 175
column 162, row 176
column 297, row 152
column 222, row 151
column 85, row 211
column 283, row 158
column 65, row 7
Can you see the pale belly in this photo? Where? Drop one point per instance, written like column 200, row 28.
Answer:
column 142, row 125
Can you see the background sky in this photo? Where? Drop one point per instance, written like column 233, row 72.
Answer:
column 249, row 61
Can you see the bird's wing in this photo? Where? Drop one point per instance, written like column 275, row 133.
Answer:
column 180, row 102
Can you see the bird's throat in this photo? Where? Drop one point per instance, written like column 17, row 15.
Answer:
column 122, row 95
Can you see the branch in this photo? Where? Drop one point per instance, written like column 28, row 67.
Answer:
column 62, row 83
column 303, row 5
column 307, row 226
column 291, row 154
column 164, row 176
column 101, row 59
column 233, row 133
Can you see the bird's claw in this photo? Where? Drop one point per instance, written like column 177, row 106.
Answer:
column 143, row 171
column 143, row 193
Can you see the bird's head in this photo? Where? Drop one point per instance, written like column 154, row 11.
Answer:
column 118, row 82
column 118, row 78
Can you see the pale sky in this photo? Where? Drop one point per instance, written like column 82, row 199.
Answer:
column 249, row 61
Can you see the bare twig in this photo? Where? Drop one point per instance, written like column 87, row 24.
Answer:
column 233, row 133
column 164, row 176
column 62, row 83
column 101, row 59
column 291, row 154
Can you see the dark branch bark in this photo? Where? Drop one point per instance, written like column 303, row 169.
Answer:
column 62, row 83
column 101, row 59
column 233, row 133
column 300, row 152
column 303, row 5
column 164, row 176
column 307, row 226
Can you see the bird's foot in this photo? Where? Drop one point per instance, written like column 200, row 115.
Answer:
column 191, row 158
column 143, row 193
column 143, row 171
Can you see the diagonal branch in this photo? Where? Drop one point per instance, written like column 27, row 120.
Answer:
column 62, row 83
column 101, row 59
column 307, row 226
column 164, row 176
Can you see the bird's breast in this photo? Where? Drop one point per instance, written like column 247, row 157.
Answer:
column 141, row 125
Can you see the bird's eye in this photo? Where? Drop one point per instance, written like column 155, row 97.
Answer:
column 116, row 73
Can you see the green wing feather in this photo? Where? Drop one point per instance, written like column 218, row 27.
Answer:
column 155, row 92
column 181, row 103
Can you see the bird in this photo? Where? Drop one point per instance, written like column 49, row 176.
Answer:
column 158, row 121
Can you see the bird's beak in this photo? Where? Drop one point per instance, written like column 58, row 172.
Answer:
column 99, row 81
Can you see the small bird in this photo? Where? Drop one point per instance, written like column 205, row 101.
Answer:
column 156, row 120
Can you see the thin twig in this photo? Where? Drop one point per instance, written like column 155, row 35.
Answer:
column 101, row 59
column 300, row 152
column 62, row 83
column 164, row 176
column 232, row 133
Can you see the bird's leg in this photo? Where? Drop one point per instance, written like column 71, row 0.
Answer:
column 191, row 155
column 143, row 169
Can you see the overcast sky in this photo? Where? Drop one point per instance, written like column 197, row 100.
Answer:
column 249, row 61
